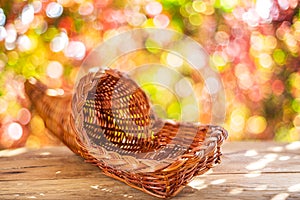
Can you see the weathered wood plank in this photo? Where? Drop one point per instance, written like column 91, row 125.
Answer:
column 248, row 171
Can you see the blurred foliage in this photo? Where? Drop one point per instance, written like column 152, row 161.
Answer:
column 253, row 44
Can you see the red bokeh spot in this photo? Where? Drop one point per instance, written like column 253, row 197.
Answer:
column 277, row 87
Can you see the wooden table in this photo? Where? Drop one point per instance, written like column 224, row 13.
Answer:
column 248, row 171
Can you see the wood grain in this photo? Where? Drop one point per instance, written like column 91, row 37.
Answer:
column 249, row 170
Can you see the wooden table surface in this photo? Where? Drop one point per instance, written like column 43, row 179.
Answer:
column 261, row 170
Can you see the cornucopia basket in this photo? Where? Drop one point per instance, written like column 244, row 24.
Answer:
column 109, row 122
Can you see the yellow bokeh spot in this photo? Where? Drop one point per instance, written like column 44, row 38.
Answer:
column 265, row 60
column 184, row 12
column 37, row 125
column 237, row 119
column 209, row 9
column 294, row 80
column 189, row 8
column 294, row 134
column 199, row 6
column 270, row 42
column 237, row 122
column 218, row 59
column 33, row 142
column 13, row 107
column 13, row 57
column 256, row 124
column 296, row 25
column 195, row 19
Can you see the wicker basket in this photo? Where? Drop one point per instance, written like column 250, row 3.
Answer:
column 109, row 122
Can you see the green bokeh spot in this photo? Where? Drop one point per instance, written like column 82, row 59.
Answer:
column 296, row 105
column 282, row 134
column 174, row 110
column 149, row 89
column 279, row 56
column 152, row 46
column 50, row 34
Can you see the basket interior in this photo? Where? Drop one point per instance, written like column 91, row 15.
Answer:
column 117, row 115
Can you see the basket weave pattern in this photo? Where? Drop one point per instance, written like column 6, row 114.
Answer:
column 109, row 121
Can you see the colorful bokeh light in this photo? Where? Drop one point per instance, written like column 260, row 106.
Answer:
column 254, row 45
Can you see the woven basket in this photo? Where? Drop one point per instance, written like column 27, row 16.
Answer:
column 109, row 122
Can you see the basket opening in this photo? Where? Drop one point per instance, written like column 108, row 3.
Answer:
column 118, row 115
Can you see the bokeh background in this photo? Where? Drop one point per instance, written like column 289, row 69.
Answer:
column 253, row 44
